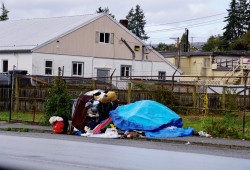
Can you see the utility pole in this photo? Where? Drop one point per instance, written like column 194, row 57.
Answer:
column 177, row 44
column 192, row 40
column 186, row 47
column 178, row 65
column 176, row 40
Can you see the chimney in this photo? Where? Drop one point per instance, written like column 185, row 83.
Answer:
column 124, row 22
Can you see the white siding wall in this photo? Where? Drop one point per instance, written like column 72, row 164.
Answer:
column 91, row 64
column 22, row 61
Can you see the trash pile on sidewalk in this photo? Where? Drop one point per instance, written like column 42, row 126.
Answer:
column 97, row 114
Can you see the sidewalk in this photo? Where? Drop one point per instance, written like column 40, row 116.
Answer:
column 197, row 140
column 5, row 126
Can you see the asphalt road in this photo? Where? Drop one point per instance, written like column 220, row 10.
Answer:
column 48, row 151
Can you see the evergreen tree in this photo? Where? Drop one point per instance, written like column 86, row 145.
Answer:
column 105, row 10
column 248, row 15
column 215, row 44
column 242, row 43
column 232, row 22
column 136, row 22
column 243, row 17
column 184, row 44
column 59, row 101
column 4, row 15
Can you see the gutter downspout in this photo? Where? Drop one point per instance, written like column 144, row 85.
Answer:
column 179, row 55
column 132, row 51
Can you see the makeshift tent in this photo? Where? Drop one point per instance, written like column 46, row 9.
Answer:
column 151, row 117
column 80, row 119
column 92, row 108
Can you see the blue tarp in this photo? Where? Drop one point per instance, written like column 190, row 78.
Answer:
column 151, row 117
column 169, row 133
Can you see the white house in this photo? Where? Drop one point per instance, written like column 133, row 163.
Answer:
column 87, row 46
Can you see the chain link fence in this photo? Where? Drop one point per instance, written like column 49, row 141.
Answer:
column 191, row 96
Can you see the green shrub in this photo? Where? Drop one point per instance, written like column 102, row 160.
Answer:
column 224, row 127
column 160, row 94
column 58, row 102
column 231, row 103
column 25, row 130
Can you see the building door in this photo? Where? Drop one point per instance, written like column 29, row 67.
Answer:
column 5, row 66
column 103, row 75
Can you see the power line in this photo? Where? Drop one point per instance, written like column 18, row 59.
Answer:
column 185, row 20
column 188, row 26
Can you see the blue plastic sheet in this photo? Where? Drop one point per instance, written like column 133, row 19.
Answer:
column 169, row 133
column 149, row 116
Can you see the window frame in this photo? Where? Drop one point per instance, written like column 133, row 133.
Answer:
column 206, row 62
column 104, row 37
column 48, row 67
column 4, row 67
column 162, row 75
column 128, row 68
column 78, row 63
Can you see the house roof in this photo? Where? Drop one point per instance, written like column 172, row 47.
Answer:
column 30, row 33
column 204, row 54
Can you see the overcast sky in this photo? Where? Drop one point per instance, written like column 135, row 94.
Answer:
column 166, row 19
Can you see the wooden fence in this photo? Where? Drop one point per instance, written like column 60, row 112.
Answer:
column 32, row 99
column 187, row 97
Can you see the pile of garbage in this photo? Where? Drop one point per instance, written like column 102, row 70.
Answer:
column 97, row 114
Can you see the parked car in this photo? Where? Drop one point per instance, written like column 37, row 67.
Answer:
column 6, row 78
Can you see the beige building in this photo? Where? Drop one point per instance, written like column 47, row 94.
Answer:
column 86, row 46
column 218, row 68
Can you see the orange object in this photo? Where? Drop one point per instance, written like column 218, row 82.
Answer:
column 58, row 127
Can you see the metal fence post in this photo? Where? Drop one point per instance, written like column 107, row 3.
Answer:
column 129, row 93
column 194, row 97
column 94, row 84
column 16, row 108
column 245, row 73
column 223, row 99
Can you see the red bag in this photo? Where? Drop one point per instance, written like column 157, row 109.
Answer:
column 58, row 127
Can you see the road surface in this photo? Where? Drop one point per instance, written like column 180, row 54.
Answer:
column 51, row 152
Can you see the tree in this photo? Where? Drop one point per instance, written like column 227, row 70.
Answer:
column 137, row 22
column 248, row 15
column 105, row 10
column 162, row 47
column 232, row 22
column 242, row 43
column 184, row 44
column 4, row 15
column 238, row 20
column 215, row 44
column 58, row 102
column 243, row 17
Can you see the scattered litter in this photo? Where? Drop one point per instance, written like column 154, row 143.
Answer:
column 60, row 124
column 88, row 131
column 188, row 143
column 109, row 133
column 203, row 134
column 97, row 114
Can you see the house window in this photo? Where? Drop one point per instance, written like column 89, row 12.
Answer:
column 162, row 75
column 5, row 65
column 102, row 37
column 77, row 69
column 103, row 75
column 125, row 71
column 206, row 63
column 48, row 67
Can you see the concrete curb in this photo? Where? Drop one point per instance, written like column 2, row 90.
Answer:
column 193, row 140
